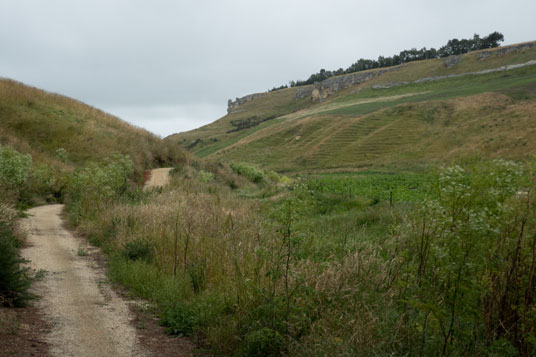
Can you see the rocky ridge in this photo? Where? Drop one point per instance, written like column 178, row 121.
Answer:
column 232, row 105
column 437, row 78
column 319, row 91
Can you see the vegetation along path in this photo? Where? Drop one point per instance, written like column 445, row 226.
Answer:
column 88, row 318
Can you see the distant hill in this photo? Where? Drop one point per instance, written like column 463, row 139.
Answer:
column 38, row 122
column 480, row 103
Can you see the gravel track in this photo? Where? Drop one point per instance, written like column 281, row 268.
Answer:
column 88, row 318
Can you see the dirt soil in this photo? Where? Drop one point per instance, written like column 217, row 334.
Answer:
column 22, row 332
column 86, row 316
column 158, row 178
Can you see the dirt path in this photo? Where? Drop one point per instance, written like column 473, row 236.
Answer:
column 158, row 178
column 88, row 318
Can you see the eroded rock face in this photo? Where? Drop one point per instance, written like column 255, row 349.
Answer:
column 452, row 60
column 305, row 91
column 232, row 105
column 482, row 55
column 321, row 90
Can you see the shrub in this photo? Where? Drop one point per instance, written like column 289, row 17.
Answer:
column 14, row 282
column 14, row 170
column 273, row 176
column 61, row 154
column 263, row 342
column 96, row 186
column 139, row 249
column 251, row 172
column 180, row 319
column 468, row 264
column 205, row 176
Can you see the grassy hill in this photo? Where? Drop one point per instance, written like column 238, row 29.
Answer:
column 391, row 119
column 39, row 123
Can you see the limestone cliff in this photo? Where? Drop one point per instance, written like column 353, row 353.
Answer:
column 232, row 105
column 321, row 90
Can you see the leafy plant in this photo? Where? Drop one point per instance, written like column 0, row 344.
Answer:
column 263, row 342
column 251, row 172
column 205, row 176
column 468, row 261
column 14, row 170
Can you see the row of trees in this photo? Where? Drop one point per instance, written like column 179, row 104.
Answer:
column 453, row 47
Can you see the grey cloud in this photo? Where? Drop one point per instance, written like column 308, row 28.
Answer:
column 136, row 57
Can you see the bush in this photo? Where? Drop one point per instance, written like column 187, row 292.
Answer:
column 263, row 342
column 180, row 319
column 138, row 250
column 14, row 281
column 468, row 264
column 251, row 172
column 205, row 176
column 14, row 170
column 96, row 186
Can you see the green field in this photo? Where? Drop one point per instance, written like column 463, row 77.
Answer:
column 377, row 186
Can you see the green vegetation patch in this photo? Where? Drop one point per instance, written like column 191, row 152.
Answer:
column 378, row 186
column 438, row 90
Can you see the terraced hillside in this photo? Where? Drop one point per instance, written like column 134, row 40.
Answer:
column 418, row 112
column 40, row 123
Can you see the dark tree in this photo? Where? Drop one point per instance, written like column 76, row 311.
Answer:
column 453, row 47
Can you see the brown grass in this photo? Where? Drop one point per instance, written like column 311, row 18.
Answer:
column 39, row 123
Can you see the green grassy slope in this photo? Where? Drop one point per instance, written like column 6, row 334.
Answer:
column 485, row 114
column 39, row 123
column 215, row 136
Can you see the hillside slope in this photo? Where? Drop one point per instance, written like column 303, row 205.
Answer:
column 423, row 111
column 39, row 123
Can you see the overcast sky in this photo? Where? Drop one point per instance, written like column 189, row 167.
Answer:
column 170, row 66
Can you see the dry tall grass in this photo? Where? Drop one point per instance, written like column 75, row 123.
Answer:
column 38, row 122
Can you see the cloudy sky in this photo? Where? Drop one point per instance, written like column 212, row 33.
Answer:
column 170, row 66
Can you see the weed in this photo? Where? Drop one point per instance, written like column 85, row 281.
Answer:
column 263, row 342
column 40, row 275
column 139, row 249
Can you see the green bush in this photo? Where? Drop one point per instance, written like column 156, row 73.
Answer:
column 273, row 176
column 250, row 172
column 138, row 250
column 14, row 281
column 205, row 176
column 468, row 261
column 94, row 187
column 180, row 319
column 14, row 170
column 263, row 342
